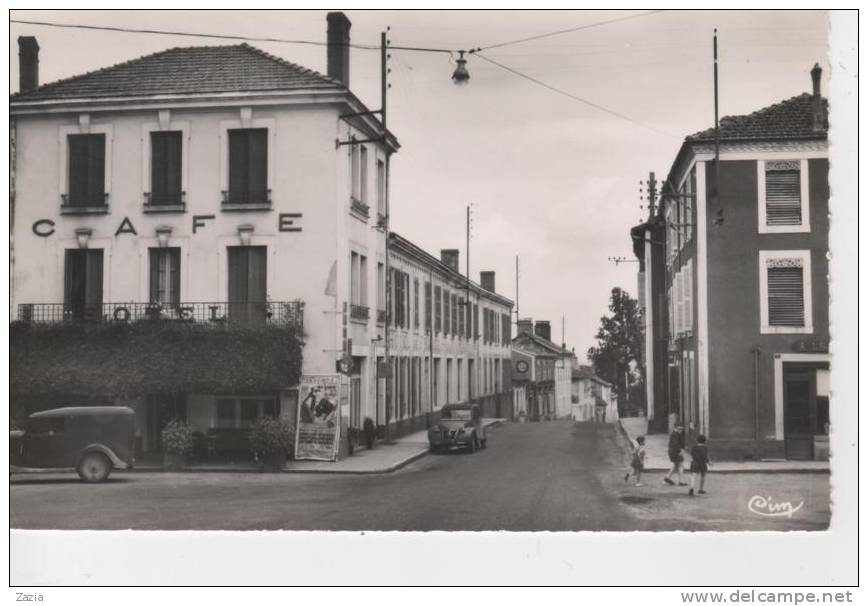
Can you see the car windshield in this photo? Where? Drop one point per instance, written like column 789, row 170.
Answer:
column 458, row 413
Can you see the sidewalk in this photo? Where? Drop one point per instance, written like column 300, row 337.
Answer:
column 383, row 458
column 657, row 458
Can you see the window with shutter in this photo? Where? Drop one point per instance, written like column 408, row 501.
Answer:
column 415, row 302
column 475, row 320
column 86, row 182
column 687, row 287
column 454, row 311
column 447, row 314
column 83, row 277
column 248, row 166
column 786, row 296
column 785, row 291
column 165, row 169
column 783, row 193
column 461, row 316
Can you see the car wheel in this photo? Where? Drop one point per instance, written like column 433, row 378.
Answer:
column 94, row 467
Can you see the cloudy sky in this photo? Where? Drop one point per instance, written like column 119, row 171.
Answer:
column 551, row 179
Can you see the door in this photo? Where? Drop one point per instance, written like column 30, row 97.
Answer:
column 45, row 443
column 800, row 411
column 82, row 294
column 247, row 284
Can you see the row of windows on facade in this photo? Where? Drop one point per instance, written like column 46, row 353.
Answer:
column 786, row 293
column 248, row 170
column 83, row 276
column 452, row 314
column 782, row 183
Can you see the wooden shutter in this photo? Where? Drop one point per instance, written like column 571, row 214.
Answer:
column 258, row 165
column 74, row 281
column 238, row 171
column 159, row 177
column 475, row 320
column 93, row 286
column 454, row 315
column 786, row 296
column 783, row 194
column 175, row 275
column 428, row 306
column 438, row 309
column 687, row 288
column 78, row 171
column 154, row 260
column 96, row 170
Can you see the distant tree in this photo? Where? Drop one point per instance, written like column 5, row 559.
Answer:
column 618, row 353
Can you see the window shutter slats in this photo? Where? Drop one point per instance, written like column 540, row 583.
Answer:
column 783, row 197
column 786, row 296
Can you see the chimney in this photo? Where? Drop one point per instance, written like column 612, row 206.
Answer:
column 525, row 326
column 543, row 329
column 819, row 120
column 28, row 63
column 339, row 47
column 486, row 280
column 449, row 256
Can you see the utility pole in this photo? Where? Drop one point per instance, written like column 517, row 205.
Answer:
column 384, row 85
column 716, row 130
column 516, row 293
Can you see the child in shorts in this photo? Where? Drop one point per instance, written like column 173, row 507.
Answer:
column 637, row 461
column 699, row 464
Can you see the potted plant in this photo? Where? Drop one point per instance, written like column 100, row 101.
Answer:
column 177, row 444
column 370, row 432
column 271, row 441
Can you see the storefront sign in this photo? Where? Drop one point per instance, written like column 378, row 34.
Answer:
column 811, row 346
column 318, row 424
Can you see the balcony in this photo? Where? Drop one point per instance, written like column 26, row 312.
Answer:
column 165, row 203
column 88, row 205
column 244, row 200
column 217, row 314
column 360, row 312
column 359, row 208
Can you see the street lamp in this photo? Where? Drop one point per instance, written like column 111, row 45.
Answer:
column 461, row 75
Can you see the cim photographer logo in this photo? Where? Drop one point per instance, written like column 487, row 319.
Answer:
column 766, row 506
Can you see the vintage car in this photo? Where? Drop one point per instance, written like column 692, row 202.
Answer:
column 460, row 426
column 93, row 440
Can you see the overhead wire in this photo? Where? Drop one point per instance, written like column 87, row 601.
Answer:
column 568, row 94
column 566, row 31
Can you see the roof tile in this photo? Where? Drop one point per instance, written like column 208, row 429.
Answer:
column 789, row 119
column 187, row 70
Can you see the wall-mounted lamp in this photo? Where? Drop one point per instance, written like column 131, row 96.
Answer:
column 245, row 232
column 461, row 75
column 163, row 233
column 82, row 234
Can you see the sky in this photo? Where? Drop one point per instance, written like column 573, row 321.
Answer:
column 551, row 180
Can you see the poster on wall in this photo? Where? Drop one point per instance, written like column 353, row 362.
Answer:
column 318, row 422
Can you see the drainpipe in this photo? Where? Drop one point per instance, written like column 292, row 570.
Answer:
column 756, row 431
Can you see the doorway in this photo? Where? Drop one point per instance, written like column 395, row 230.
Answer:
column 247, row 284
column 800, row 412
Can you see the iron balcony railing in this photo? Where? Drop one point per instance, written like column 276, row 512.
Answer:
column 271, row 313
column 159, row 201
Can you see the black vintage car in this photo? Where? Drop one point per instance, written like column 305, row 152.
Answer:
column 93, row 440
column 460, row 426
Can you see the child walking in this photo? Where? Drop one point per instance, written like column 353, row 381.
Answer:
column 699, row 464
column 637, row 461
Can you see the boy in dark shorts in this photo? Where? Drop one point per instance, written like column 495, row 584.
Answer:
column 676, row 445
column 699, row 464
column 637, row 461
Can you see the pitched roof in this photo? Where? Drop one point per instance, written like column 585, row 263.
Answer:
column 789, row 119
column 188, row 70
column 586, row 372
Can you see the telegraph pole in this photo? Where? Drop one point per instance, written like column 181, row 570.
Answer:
column 384, row 85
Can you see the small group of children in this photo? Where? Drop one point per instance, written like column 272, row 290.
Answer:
column 698, row 465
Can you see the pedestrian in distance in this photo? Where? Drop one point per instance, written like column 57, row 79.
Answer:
column 637, row 461
column 676, row 446
column 699, row 464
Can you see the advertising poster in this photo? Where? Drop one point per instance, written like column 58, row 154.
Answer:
column 318, row 423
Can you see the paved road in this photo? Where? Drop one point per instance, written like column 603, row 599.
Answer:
column 537, row 476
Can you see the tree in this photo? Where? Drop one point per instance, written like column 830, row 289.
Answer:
column 618, row 353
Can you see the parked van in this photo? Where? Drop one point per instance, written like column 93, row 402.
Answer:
column 92, row 440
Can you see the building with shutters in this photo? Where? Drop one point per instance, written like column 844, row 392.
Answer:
column 449, row 339
column 547, row 376
column 220, row 187
column 208, row 186
column 736, row 298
